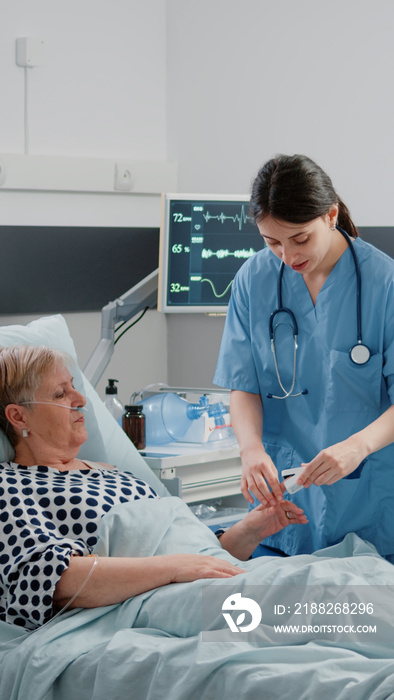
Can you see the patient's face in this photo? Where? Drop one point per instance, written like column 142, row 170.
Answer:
column 56, row 425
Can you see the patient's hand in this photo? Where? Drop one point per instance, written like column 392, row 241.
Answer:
column 190, row 567
column 262, row 521
column 243, row 537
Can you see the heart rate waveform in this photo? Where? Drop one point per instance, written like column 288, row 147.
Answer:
column 216, row 294
column 225, row 253
column 241, row 218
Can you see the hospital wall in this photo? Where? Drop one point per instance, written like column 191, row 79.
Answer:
column 101, row 93
column 249, row 79
column 217, row 86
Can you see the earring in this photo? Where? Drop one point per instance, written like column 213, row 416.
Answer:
column 25, row 432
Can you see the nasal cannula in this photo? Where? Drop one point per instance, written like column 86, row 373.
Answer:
column 49, row 403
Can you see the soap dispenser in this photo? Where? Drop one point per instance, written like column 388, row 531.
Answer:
column 112, row 402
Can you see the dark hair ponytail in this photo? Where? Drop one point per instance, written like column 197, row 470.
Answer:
column 345, row 220
column 295, row 189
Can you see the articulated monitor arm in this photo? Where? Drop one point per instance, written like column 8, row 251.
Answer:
column 124, row 308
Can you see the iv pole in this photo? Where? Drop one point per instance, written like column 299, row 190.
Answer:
column 123, row 308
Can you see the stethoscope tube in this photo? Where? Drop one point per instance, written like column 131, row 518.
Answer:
column 358, row 280
column 359, row 353
column 282, row 309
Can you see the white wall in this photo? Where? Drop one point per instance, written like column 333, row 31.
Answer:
column 250, row 78
column 217, row 85
column 101, row 90
column 100, row 94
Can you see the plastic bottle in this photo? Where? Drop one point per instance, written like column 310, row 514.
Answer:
column 168, row 417
column 112, row 402
column 134, row 425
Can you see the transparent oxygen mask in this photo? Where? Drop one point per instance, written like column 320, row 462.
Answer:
column 222, row 434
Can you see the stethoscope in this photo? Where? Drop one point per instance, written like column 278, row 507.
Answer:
column 359, row 353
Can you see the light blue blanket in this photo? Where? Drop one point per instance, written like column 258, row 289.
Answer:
column 174, row 643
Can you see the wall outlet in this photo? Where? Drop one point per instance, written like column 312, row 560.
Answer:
column 124, row 181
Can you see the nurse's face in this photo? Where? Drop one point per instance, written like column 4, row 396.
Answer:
column 306, row 248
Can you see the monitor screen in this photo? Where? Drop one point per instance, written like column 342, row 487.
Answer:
column 380, row 236
column 204, row 240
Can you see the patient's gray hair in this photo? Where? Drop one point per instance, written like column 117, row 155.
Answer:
column 22, row 368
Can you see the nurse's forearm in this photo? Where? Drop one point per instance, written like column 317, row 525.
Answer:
column 247, row 418
column 259, row 475
column 378, row 434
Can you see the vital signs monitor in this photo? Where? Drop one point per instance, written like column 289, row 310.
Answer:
column 204, row 239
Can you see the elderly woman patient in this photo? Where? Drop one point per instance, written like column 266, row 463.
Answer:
column 51, row 504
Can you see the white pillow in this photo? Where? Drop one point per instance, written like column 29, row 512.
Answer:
column 106, row 440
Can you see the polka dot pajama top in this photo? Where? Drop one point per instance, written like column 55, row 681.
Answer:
column 46, row 516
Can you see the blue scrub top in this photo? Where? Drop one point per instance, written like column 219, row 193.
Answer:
column 342, row 397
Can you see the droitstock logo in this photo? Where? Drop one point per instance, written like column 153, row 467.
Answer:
column 237, row 603
column 280, row 614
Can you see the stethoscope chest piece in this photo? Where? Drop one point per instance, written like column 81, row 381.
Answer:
column 360, row 354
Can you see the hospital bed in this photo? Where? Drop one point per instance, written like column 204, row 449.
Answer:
column 183, row 641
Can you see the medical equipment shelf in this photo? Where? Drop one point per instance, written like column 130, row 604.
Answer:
column 195, row 472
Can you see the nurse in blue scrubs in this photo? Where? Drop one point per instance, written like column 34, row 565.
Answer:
column 303, row 401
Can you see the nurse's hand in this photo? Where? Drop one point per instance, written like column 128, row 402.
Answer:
column 332, row 463
column 260, row 477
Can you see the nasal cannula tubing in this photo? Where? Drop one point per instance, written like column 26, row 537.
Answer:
column 67, row 605
column 49, row 403
column 95, row 562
